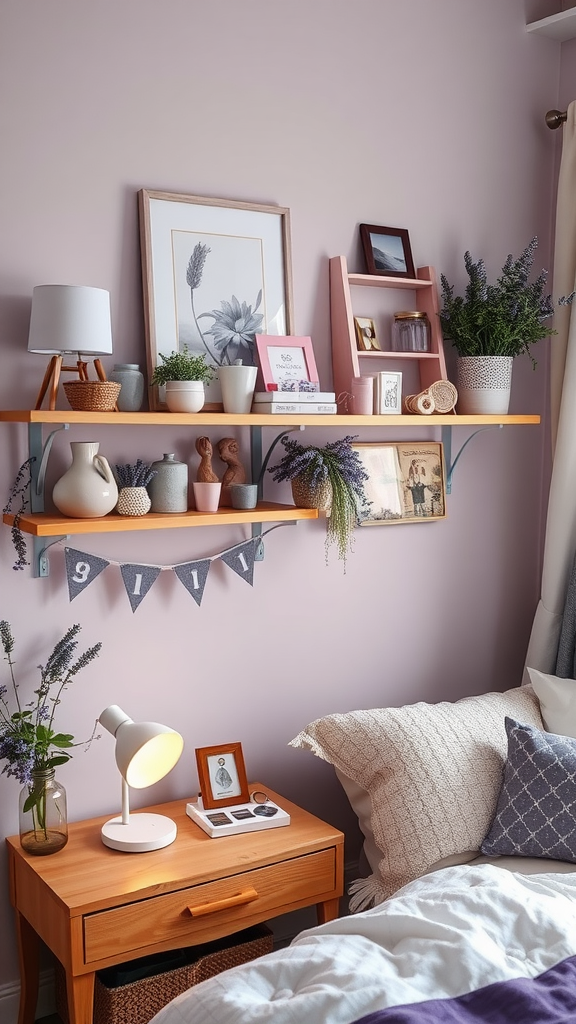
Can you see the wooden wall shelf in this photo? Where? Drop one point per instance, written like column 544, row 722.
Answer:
column 560, row 26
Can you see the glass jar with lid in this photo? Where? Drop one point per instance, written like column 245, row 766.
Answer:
column 411, row 332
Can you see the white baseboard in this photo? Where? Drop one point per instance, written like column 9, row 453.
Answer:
column 10, row 998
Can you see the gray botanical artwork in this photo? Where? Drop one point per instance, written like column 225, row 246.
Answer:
column 222, row 326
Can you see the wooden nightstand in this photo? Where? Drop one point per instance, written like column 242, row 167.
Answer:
column 95, row 907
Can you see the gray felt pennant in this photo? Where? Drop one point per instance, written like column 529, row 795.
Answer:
column 241, row 559
column 81, row 570
column 138, row 579
column 193, row 576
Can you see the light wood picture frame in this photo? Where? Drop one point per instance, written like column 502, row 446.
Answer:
column 406, row 481
column 222, row 775
column 209, row 265
column 366, row 337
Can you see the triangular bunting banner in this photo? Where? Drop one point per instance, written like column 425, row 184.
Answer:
column 81, row 570
column 194, row 575
column 138, row 579
column 241, row 559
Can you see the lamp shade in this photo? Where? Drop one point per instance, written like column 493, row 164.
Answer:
column 70, row 318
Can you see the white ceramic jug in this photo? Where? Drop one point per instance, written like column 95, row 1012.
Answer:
column 88, row 489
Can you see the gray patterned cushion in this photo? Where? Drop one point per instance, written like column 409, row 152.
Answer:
column 536, row 811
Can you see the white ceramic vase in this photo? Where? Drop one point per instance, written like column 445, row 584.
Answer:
column 88, row 489
column 237, row 383
column 484, row 384
column 185, row 395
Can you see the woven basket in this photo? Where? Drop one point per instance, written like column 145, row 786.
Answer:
column 92, row 395
column 138, row 1001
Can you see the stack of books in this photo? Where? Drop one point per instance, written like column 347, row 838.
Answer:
column 294, row 401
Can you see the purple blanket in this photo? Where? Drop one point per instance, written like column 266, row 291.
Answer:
column 548, row 999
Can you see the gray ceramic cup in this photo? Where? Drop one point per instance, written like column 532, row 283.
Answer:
column 244, row 495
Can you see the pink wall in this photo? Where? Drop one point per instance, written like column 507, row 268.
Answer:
column 427, row 116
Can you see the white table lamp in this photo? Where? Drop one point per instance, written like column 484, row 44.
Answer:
column 145, row 753
column 72, row 320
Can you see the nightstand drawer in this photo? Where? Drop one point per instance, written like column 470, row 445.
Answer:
column 218, row 908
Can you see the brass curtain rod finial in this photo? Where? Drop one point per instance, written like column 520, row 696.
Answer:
column 555, row 118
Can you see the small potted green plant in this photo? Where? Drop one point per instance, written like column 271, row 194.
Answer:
column 330, row 478
column 491, row 324
column 184, row 376
column 133, row 479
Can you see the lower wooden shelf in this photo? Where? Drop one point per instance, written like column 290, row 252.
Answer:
column 47, row 524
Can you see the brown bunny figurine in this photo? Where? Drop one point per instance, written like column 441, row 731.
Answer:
column 205, row 474
column 235, row 472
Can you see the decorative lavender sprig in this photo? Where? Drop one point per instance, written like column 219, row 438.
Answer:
column 138, row 475
column 28, row 740
column 20, row 489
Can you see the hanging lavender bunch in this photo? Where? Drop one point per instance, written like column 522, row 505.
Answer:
column 20, row 489
column 340, row 465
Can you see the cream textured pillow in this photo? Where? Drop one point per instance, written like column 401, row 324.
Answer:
column 433, row 774
column 557, row 698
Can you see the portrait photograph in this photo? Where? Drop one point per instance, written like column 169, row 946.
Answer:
column 406, row 482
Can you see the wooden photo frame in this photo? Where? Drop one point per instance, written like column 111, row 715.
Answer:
column 287, row 364
column 222, row 775
column 406, row 482
column 208, row 265
column 366, row 337
column 387, row 251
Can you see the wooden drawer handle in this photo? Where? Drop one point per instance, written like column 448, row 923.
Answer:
column 229, row 901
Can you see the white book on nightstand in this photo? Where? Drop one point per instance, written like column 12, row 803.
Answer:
column 230, row 821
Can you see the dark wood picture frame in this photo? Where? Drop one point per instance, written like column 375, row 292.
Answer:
column 226, row 757
column 395, row 260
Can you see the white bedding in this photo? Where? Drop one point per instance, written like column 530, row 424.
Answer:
column 445, row 934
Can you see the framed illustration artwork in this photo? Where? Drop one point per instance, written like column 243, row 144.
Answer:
column 388, row 392
column 387, row 251
column 222, row 775
column 366, row 339
column 215, row 273
column 287, row 364
column 406, row 482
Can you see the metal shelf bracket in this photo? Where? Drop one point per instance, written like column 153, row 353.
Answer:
column 447, row 444
column 258, row 466
column 40, row 560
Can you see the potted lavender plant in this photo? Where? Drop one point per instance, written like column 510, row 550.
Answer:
column 133, row 498
column 330, row 478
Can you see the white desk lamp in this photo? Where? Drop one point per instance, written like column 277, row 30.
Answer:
column 145, row 753
column 71, row 320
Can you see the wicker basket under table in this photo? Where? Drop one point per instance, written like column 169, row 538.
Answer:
column 138, row 1001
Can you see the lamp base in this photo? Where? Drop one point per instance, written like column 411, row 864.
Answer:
column 143, row 832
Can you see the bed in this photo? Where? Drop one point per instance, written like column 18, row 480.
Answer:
column 468, row 914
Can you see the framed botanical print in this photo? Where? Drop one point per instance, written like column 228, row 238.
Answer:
column 215, row 273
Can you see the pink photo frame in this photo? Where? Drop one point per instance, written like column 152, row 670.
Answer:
column 287, row 363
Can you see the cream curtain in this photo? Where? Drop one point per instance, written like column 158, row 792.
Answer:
column 560, row 542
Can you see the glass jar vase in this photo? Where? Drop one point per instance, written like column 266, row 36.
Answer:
column 42, row 814
column 411, row 332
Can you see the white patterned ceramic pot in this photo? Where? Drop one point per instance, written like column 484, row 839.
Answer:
column 133, row 501
column 184, row 395
column 484, row 385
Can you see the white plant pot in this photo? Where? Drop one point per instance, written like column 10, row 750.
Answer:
column 237, row 384
column 484, row 385
column 185, row 395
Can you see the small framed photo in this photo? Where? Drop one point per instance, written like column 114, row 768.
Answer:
column 406, row 482
column 222, row 775
column 388, row 393
column 387, row 251
column 366, row 339
column 287, row 363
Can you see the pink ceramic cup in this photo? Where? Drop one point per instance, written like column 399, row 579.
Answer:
column 206, row 496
